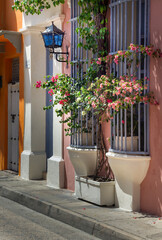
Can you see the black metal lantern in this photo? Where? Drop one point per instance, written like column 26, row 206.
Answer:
column 53, row 38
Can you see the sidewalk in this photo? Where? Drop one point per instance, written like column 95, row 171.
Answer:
column 102, row 222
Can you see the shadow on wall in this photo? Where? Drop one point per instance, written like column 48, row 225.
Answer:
column 151, row 194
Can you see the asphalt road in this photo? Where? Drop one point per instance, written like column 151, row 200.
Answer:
column 20, row 223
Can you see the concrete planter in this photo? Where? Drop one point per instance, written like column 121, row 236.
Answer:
column 100, row 193
column 84, row 160
column 129, row 171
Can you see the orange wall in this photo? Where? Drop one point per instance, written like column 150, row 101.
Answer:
column 12, row 21
column 2, row 14
column 151, row 189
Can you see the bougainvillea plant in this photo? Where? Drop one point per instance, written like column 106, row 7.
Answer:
column 102, row 93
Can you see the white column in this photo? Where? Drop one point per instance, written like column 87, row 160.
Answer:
column 55, row 170
column 33, row 158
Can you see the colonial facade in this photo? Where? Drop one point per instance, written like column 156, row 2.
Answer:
column 42, row 144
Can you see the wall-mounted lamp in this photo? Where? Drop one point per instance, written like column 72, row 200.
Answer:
column 53, row 38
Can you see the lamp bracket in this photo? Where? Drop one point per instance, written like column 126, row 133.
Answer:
column 52, row 50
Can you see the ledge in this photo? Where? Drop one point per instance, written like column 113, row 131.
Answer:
column 127, row 157
column 13, row 37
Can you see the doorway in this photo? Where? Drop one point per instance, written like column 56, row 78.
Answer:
column 13, row 118
column 13, row 127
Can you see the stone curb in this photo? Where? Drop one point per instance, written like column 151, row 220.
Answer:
column 66, row 216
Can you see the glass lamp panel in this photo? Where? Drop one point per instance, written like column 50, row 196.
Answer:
column 58, row 38
column 48, row 39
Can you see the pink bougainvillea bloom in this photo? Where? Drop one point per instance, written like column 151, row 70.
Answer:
column 52, row 79
column 123, row 121
column 61, row 102
column 93, row 104
column 156, row 102
column 109, row 100
column 56, row 77
column 102, row 98
column 133, row 47
column 38, row 84
column 50, row 92
column 67, row 94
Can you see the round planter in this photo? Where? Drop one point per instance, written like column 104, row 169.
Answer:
column 129, row 171
column 84, row 161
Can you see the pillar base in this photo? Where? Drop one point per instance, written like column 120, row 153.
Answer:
column 33, row 164
column 55, row 173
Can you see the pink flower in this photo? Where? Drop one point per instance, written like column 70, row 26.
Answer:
column 61, row 102
column 52, row 79
column 93, row 104
column 133, row 47
column 156, row 102
column 67, row 94
column 109, row 100
column 123, row 121
column 38, row 84
column 50, row 92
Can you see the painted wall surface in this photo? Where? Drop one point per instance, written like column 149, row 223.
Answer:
column 151, row 188
column 12, row 21
column 46, row 16
column 2, row 14
column 69, row 170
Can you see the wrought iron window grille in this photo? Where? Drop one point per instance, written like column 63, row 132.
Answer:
column 129, row 23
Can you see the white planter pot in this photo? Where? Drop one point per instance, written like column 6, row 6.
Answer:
column 129, row 171
column 100, row 193
column 84, row 160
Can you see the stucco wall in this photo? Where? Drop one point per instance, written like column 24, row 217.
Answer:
column 151, row 188
column 43, row 18
column 69, row 170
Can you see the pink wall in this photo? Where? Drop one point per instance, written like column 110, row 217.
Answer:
column 69, row 170
column 151, row 189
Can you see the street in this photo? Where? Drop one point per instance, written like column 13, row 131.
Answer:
column 20, row 223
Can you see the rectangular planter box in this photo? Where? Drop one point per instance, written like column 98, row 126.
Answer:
column 100, row 193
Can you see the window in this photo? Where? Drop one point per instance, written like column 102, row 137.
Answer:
column 129, row 24
column 87, row 137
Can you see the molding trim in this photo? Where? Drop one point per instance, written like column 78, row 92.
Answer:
column 58, row 20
